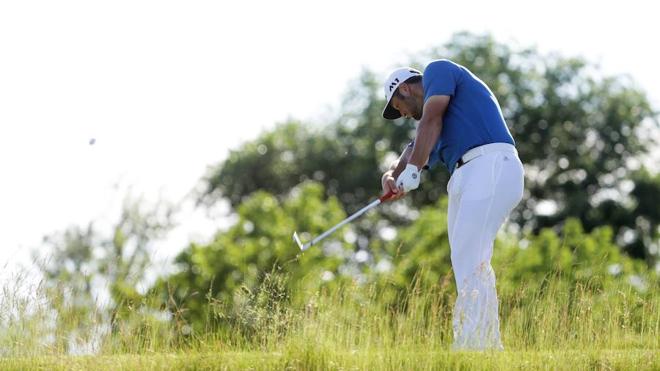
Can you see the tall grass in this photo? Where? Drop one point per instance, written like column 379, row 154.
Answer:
column 559, row 325
column 373, row 317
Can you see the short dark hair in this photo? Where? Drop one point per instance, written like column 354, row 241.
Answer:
column 412, row 80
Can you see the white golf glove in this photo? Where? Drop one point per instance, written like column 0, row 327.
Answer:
column 409, row 178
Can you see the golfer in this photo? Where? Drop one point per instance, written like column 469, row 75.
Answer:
column 461, row 126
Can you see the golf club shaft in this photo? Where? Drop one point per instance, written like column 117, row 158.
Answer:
column 345, row 221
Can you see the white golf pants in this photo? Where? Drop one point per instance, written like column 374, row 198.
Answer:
column 482, row 193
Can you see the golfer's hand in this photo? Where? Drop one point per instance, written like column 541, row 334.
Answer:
column 409, row 178
column 389, row 185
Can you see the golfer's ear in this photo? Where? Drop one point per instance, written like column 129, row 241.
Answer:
column 435, row 107
column 404, row 89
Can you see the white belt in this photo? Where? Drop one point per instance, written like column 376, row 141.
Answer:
column 485, row 149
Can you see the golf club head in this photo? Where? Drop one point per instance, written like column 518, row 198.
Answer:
column 298, row 242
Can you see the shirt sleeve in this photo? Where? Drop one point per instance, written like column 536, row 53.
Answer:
column 440, row 78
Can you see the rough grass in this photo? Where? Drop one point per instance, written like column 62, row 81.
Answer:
column 311, row 359
column 560, row 326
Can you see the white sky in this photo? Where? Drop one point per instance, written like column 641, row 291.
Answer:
column 168, row 87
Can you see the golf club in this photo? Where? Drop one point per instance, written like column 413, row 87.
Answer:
column 325, row 234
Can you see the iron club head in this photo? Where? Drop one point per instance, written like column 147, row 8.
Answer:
column 297, row 240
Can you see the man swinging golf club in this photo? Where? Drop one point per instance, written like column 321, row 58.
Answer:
column 460, row 125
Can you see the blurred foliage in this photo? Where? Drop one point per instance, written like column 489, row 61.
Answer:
column 237, row 260
column 569, row 254
column 220, row 283
column 581, row 136
column 92, row 280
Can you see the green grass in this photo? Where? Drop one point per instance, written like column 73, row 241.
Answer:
column 558, row 326
column 311, row 359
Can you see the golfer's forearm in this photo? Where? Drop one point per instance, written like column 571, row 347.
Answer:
column 428, row 132
column 398, row 166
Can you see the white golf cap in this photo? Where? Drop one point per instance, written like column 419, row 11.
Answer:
column 397, row 77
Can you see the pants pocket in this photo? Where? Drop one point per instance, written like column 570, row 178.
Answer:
column 451, row 184
column 481, row 175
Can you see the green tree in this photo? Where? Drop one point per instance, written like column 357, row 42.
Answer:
column 421, row 251
column 82, row 269
column 210, row 277
column 68, row 284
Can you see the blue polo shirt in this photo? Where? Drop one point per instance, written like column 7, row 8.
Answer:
column 473, row 116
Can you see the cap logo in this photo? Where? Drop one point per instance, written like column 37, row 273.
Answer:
column 394, row 84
